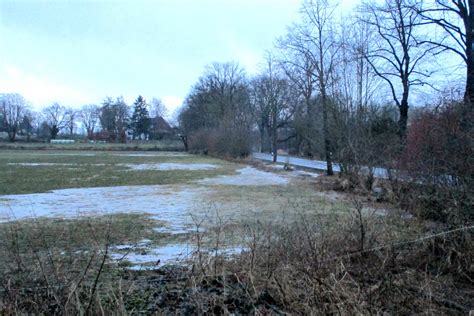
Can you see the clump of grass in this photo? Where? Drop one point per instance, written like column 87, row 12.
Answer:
column 61, row 265
column 78, row 233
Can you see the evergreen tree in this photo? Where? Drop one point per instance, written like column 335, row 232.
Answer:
column 140, row 122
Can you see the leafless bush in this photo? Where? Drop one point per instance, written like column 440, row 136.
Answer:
column 41, row 276
column 308, row 263
column 337, row 264
column 438, row 165
column 223, row 141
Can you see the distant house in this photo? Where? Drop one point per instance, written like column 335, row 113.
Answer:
column 160, row 128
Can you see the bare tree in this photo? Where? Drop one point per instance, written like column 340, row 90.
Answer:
column 28, row 123
column 56, row 118
column 456, row 19
column 216, row 115
column 353, row 91
column 299, row 70
column 273, row 103
column 157, row 108
column 89, row 116
column 315, row 43
column 260, row 110
column 354, row 83
column 396, row 54
column 71, row 116
column 114, row 118
column 13, row 107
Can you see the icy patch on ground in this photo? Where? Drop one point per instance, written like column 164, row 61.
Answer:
column 148, row 257
column 170, row 166
column 248, row 176
column 153, row 256
column 171, row 204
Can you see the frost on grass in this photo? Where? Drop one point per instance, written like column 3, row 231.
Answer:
column 248, row 176
column 170, row 166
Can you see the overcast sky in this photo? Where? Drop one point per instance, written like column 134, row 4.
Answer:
column 77, row 52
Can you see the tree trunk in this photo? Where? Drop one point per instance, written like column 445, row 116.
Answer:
column 469, row 93
column 403, row 120
column 309, row 122
column 274, row 145
column 262, row 139
column 54, row 132
column 184, row 139
column 327, row 140
column 12, row 136
column 469, row 25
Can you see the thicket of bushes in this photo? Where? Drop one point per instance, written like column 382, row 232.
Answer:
column 311, row 264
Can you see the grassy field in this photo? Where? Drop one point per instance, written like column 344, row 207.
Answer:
column 290, row 245
column 29, row 171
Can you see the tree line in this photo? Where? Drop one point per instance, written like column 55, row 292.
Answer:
column 339, row 88
column 109, row 121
